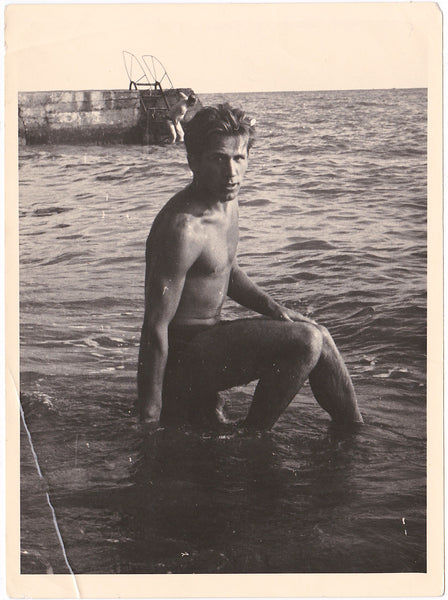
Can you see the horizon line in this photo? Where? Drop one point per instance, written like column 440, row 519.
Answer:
column 234, row 92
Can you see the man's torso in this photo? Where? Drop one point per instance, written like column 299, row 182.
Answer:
column 206, row 281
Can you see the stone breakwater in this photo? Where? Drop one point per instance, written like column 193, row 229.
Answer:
column 96, row 116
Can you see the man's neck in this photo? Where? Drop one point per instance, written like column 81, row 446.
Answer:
column 207, row 201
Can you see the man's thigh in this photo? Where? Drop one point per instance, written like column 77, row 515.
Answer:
column 236, row 352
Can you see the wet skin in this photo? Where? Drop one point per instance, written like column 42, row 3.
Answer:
column 191, row 268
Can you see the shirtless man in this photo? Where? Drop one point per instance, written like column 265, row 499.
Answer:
column 177, row 114
column 187, row 354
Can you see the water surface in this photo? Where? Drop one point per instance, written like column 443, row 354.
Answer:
column 333, row 221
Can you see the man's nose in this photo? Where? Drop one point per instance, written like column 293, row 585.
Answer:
column 231, row 168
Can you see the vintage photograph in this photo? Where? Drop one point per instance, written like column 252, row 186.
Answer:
column 223, row 288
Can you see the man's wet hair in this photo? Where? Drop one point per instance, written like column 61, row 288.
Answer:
column 222, row 119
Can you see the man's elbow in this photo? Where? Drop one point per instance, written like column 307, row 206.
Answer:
column 158, row 332
column 156, row 336
column 233, row 275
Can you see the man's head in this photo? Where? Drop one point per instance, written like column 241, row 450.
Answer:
column 222, row 119
column 191, row 100
column 218, row 142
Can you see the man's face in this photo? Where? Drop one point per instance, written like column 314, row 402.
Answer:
column 220, row 169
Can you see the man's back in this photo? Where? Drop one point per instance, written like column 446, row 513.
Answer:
column 178, row 110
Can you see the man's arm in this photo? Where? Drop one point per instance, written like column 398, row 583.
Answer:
column 247, row 293
column 164, row 286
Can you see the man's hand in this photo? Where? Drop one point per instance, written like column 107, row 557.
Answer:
column 150, row 414
column 281, row 313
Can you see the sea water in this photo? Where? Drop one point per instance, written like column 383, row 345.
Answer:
column 333, row 222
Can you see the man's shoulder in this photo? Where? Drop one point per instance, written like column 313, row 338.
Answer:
column 176, row 239
column 183, row 226
column 176, row 222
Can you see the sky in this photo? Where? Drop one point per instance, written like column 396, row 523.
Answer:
column 222, row 47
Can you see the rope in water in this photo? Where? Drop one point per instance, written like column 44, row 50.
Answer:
column 55, row 522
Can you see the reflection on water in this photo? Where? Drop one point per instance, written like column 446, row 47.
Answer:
column 231, row 503
column 184, row 502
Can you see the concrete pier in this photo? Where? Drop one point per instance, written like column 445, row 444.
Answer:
column 96, row 116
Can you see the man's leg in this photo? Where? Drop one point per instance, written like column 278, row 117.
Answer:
column 173, row 132
column 282, row 355
column 331, row 383
column 180, row 132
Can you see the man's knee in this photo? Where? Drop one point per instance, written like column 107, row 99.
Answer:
column 308, row 337
column 327, row 339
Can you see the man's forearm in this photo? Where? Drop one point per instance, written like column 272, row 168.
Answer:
column 247, row 293
column 151, row 370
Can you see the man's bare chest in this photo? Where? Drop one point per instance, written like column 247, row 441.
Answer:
column 219, row 250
